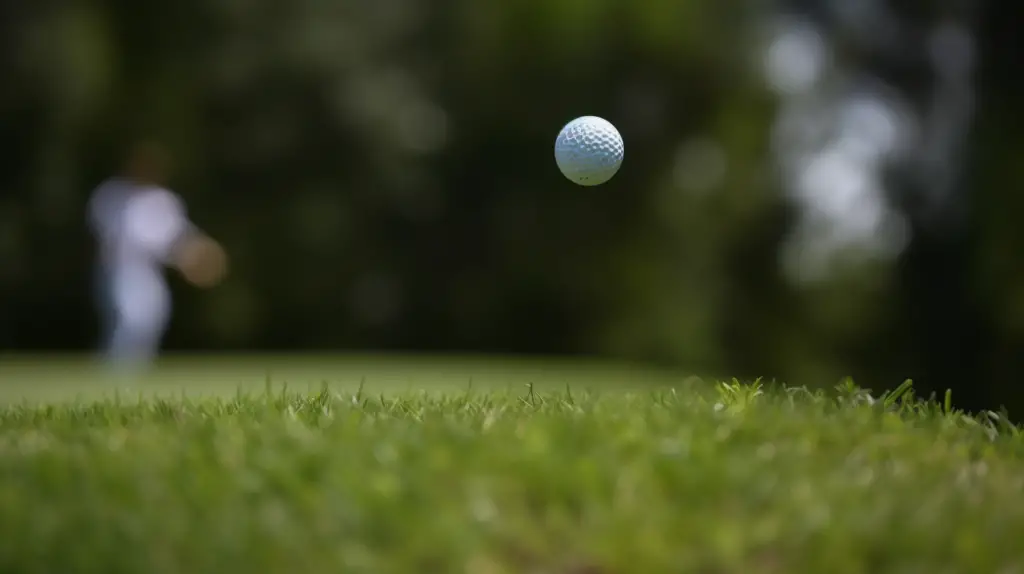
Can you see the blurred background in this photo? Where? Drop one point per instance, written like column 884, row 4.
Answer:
column 811, row 189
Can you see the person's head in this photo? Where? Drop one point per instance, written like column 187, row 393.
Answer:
column 148, row 162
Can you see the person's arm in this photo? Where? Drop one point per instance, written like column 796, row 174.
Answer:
column 102, row 210
column 201, row 260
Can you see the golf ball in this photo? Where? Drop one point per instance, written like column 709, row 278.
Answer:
column 589, row 150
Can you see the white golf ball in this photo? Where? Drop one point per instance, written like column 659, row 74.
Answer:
column 589, row 150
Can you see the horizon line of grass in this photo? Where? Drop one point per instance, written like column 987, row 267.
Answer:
column 731, row 395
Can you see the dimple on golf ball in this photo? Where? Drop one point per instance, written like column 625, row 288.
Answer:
column 589, row 150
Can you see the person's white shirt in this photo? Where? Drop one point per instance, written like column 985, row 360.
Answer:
column 137, row 228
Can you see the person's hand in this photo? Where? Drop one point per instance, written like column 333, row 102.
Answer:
column 202, row 261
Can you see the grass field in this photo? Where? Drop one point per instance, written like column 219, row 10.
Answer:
column 65, row 378
column 403, row 465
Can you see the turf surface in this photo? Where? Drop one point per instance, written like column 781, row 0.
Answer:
column 50, row 378
column 501, row 476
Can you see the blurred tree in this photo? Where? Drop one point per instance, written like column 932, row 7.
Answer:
column 995, row 179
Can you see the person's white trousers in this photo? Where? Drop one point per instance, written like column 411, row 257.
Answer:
column 136, row 303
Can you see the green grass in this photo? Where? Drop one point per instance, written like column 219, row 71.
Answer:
column 65, row 378
column 693, row 478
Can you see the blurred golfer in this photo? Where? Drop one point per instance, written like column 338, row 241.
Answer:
column 141, row 227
